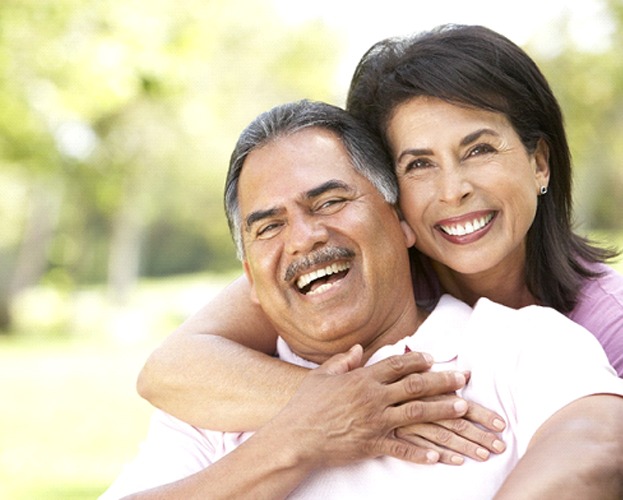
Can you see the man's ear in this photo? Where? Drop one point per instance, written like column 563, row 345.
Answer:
column 249, row 276
column 409, row 233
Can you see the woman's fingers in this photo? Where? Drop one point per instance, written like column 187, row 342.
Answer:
column 450, row 437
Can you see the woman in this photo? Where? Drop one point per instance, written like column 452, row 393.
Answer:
column 473, row 77
column 414, row 92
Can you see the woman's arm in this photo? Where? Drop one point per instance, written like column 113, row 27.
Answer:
column 577, row 453
column 217, row 370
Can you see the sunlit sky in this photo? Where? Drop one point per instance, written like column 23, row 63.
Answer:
column 363, row 22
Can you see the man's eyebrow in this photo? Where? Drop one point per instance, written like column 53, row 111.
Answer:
column 258, row 215
column 330, row 185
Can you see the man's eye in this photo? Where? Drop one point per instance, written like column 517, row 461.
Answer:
column 330, row 205
column 267, row 229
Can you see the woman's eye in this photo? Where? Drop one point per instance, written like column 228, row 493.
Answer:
column 481, row 149
column 416, row 164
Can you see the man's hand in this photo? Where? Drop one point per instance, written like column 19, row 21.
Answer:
column 343, row 412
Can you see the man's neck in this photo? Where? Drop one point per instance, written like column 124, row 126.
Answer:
column 406, row 325
column 403, row 321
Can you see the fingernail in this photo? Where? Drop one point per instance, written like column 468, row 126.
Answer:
column 432, row 457
column 460, row 378
column 457, row 460
column 482, row 453
column 498, row 446
column 460, row 406
column 427, row 357
column 499, row 424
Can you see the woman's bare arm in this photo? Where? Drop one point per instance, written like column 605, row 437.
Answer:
column 217, row 370
column 577, row 453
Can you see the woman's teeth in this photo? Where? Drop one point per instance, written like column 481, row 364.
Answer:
column 468, row 228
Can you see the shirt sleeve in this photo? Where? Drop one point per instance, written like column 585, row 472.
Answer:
column 600, row 311
column 171, row 451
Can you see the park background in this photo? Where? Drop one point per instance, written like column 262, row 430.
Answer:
column 116, row 122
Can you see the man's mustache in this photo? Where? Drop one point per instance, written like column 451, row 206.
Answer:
column 326, row 254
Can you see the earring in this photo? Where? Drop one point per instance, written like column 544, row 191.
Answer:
column 543, row 190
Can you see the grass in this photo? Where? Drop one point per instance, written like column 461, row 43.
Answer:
column 70, row 415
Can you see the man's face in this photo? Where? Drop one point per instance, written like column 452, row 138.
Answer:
column 325, row 254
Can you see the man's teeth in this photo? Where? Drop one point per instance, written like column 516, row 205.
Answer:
column 469, row 227
column 306, row 279
column 320, row 289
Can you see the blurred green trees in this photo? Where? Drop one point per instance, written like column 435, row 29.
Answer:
column 116, row 123
column 117, row 119
column 589, row 86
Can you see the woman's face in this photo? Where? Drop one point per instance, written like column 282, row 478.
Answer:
column 468, row 186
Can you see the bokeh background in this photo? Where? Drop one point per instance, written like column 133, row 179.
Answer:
column 116, row 122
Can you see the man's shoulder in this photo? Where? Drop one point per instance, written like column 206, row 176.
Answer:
column 527, row 324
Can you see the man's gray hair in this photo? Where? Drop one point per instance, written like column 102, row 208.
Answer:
column 365, row 150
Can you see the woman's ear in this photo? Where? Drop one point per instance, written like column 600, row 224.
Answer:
column 409, row 233
column 541, row 161
column 247, row 273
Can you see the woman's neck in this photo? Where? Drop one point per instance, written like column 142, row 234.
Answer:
column 507, row 286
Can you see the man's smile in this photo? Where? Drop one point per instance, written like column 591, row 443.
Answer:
column 321, row 279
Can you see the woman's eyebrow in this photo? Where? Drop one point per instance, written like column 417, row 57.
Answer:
column 469, row 138
column 414, row 152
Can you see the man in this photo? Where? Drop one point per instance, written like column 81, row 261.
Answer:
column 310, row 202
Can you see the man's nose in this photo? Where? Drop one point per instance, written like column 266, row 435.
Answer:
column 304, row 233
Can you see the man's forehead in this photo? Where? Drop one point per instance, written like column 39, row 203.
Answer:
column 300, row 162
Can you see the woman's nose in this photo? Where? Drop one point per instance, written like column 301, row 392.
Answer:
column 455, row 186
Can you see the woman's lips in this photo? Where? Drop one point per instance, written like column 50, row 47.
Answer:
column 467, row 228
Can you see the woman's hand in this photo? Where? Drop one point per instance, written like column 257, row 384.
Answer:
column 473, row 435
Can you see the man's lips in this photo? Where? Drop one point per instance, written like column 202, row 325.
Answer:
column 466, row 225
column 319, row 279
column 316, row 259
column 321, row 267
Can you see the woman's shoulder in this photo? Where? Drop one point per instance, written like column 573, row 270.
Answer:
column 599, row 309
column 606, row 289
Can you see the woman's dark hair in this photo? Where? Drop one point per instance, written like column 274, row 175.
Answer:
column 477, row 67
